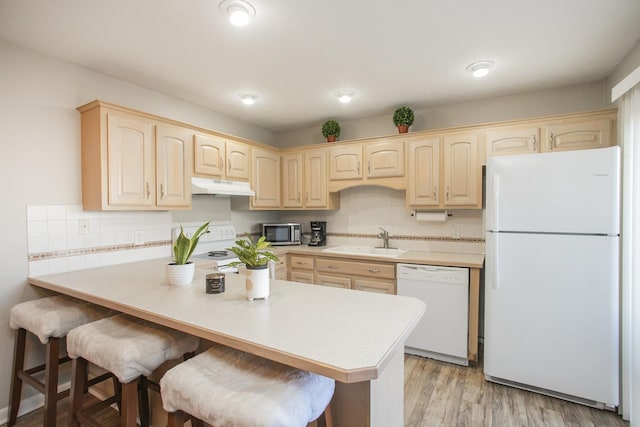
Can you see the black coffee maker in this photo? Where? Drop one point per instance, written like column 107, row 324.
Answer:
column 318, row 233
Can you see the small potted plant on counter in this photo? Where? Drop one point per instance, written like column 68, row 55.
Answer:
column 181, row 270
column 403, row 118
column 255, row 255
column 331, row 130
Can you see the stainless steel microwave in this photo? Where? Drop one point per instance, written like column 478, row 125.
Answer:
column 282, row 234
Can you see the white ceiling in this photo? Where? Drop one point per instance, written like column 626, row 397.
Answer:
column 297, row 53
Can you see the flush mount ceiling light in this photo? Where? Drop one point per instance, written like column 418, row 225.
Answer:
column 249, row 99
column 345, row 96
column 480, row 68
column 239, row 12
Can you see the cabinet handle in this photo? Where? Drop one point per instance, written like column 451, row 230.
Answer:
column 435, row 190
column 162, row 193
column 298, row 198
column 358, row 168
column 221, row 160
column 148, row 191
column 301, row 262
column 373, row 270
column 369, row 167
column 229, row 163
column 334, row 267
column 551, row 141
column 534, row 142
column 447, row 195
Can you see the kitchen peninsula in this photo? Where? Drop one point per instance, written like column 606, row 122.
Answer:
column 357, row 338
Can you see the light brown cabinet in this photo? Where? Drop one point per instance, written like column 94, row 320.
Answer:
column 133, row 162
column 370, row 163
column 361, row 275
column 265, row 178
column 220, row 158
column 512, row 140
column 304, row 181
column 444, row 172
column 579, row 135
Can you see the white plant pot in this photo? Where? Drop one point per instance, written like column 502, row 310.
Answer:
column 257, row 282
column 180, row 274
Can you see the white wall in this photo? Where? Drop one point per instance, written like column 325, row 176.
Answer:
column 571, row 99
column 40, row 154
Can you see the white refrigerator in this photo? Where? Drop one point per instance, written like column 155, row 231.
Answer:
column 552, row 274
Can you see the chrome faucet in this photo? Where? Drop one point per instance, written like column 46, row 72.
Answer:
column 385, row 238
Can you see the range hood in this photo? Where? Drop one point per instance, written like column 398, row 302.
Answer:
column 220, row 186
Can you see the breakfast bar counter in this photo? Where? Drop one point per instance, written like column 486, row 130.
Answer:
column 357, row 338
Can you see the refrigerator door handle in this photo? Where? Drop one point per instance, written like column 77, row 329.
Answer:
column 495, row 220
column 496, row 253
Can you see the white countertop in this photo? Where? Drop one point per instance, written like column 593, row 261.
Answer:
column 344, row 334
column 412, row 256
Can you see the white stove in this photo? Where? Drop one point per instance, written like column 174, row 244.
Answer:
column 212, row 245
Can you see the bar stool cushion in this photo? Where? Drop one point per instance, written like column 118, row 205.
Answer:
column 226, row 387
column 128, row 347
column 53, row 317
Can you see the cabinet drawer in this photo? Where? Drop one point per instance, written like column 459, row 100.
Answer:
column 335, row 281
column 301, row 276
column 383, row 287
column 300, row 262
column 384, row 271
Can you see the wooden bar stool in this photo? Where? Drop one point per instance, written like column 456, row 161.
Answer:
column 226, row 387
column 49, row 319
column 130, row 349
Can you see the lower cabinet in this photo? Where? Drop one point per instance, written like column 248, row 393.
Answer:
column 341, row 273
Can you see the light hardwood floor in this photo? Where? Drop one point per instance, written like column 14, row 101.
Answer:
column 442, row 394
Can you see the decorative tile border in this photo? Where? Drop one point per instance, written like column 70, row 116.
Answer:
column 95, row 250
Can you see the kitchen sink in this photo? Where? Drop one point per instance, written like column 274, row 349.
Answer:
column 366, row 250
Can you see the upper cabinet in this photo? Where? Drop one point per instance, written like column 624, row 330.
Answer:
column 220, row 158
column 132, row 162
column 304, row 181
column 378, row 162
column 564, row 136
column 444, row 172
column 575, row 132
column 265, row 179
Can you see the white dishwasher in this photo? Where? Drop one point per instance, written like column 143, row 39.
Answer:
column 442, row 332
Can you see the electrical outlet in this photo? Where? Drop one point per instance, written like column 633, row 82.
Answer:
column 138, row 238
column 456, row 233
column 83, row 226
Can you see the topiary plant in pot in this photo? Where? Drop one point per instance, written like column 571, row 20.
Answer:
column 331, row 130
column 181, row 270
column 403, row 118
column 256, row 256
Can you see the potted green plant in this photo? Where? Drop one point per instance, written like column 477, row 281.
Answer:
column 181, row 270
column 256, row 256
column 331, row 130
column 403, row 118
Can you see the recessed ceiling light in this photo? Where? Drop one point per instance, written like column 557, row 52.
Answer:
column 239, row 12
column 249, row 99
column 480, row 68
column 345, row 96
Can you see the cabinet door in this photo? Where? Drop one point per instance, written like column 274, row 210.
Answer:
column 131, row 163
column 173, row 180
column 238, row 161
column 315, row 178
column 375, row 286
column 301, row 276
column 513, row 140
column 301, row 262
column 292, row 181
column 334, row 281
column 462, row 175
column 578, row 135
column 423, row 161
column 385, row 159
column 345, row 162
column 209, row 155
column 266, row 179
